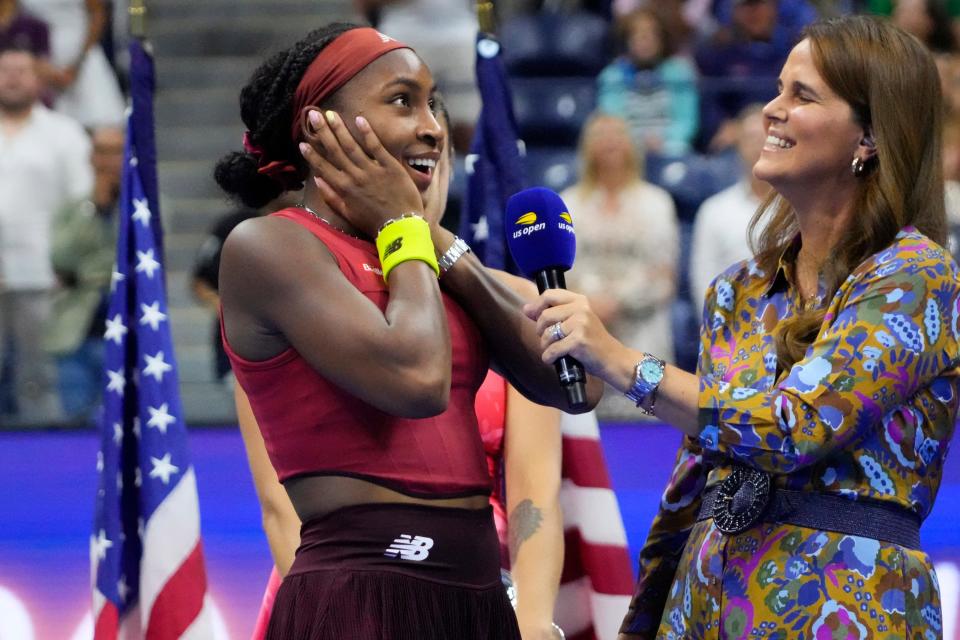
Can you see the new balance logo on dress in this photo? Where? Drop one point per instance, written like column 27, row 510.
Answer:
column 414, row 548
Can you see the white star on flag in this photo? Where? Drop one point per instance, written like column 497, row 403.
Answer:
column 115, row 277
column 122, row 588
column 156, row 366
column 99, row 545
column 117, row 433
column 160, row 418
column 481, row 231
column 152, row 315
column 136, row 426
column 115, row 329
column 117, row 381
column 142, row 211
column 146, row 263
column 99, row 461
column 137, row 477
column 133, row 161
column 162, row 468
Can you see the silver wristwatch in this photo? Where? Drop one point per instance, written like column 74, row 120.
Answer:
column 451, row 255
column 646, row 381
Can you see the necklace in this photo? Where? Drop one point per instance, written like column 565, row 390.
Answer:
column 327, row 222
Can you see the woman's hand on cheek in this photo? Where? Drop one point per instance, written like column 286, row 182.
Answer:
column 435, row 197
column 358, row 179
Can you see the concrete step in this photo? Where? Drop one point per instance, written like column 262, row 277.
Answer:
column 191, row 142
column 197, row 107
column 191, row 325
column 228, row 35
column 188, row 179
column 195, row 215
column 330, row 10
column 207, row 404
column 203, row 72
column 181, row 249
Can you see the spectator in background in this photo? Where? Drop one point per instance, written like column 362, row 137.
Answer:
column 654, row 90
column 44, row 165
column 86, row 86
column 82, row 253
column 720, row 228
column 447, row 47
column 622, row 223
column 948, row 64
column 928, row 20
column 739, row 65
column 950, row 151
column 21, row 30
column 206, row 275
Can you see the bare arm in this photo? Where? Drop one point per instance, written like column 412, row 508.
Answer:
column 280, row 521
column 491, row 302
column 496, row 307
column 532, row 453
column 609, row 359
column 280, row 287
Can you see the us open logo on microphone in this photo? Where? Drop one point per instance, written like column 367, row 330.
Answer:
column 529, row 224
column 566, row 222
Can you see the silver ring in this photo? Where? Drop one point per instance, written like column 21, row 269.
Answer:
column 558, row 333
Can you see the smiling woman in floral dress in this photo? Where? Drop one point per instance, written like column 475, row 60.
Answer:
column 826, row 393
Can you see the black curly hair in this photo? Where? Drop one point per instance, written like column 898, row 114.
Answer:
column 266, row 108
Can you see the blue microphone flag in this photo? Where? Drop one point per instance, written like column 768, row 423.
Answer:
column 539, row 231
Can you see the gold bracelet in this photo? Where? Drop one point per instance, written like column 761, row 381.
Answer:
column 405, row 238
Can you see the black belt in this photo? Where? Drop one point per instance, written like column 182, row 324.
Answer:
column 747, row 497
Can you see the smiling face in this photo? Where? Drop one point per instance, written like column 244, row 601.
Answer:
column 395, row 93
column 812, row 135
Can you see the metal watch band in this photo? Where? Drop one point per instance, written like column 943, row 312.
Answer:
column 451, row 255
column 644, row 393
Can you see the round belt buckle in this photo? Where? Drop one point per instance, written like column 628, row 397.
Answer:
column 740, row 500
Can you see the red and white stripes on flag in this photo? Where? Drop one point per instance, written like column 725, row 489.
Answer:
column 147, row 571
column 597, row 581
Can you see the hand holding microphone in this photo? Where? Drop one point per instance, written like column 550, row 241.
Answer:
column 542, row 242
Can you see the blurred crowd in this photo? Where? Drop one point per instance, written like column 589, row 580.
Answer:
column 61, row 148
column 647, row 115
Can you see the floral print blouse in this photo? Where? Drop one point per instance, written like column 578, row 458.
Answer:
column 867, row 414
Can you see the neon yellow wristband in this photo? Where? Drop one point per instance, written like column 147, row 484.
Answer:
column 405, row 239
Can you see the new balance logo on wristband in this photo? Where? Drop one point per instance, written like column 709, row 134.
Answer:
column 414, row 548
column 393, row 247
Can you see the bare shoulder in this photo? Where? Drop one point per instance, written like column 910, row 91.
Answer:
column 272, row 249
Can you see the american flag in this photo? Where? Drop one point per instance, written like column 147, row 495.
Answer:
column 597, row 582
column 146, row 554
column 494, row 165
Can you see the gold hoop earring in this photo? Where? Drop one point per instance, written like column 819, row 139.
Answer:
column 857, row 166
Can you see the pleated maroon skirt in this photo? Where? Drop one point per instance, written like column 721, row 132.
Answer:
column 395, row 572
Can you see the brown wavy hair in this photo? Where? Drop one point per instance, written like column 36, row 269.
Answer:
column 890, row 81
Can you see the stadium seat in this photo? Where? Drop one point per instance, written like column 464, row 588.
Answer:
column 549, row 43
column 551, row 167
column 551, row 111
column 692, row 178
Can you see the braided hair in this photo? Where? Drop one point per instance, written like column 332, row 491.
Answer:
column 266, row 105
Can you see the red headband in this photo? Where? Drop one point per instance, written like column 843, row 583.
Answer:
column 339, row 61
column 345, row 57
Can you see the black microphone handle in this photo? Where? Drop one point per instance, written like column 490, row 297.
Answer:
column 569, row 370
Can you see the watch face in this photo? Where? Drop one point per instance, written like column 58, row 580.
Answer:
column 651, row 371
